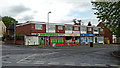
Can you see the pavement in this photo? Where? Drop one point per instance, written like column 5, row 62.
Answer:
column 81, row 55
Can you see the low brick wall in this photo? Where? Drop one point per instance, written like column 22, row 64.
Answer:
column 9, row 41
column 20, row 42
column 119, row 40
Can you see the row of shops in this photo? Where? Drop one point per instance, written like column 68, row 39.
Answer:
column 62, row 39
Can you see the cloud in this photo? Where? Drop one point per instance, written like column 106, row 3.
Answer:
column 14, row 10
column 26, row 18
column 63, row 11
column 19, row 9
column 93, row 21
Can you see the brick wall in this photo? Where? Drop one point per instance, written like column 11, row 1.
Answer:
column 106, row 32
column 20, row 42
column 30, row 28
column 101, row 32
column 24, row 29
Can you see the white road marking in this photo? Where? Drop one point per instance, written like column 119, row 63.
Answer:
column 39, row 62
column 85, row 64
column 24, row 59
column 100, row 65
column 32, row 49
column 53, row 63
column 6, row 62
column 70, row 63
column 43, row 54
column 4, row 56
column 114, row 65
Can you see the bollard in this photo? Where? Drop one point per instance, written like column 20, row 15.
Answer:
column 91, row 44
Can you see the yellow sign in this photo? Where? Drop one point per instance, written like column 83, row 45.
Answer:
column 69, row 34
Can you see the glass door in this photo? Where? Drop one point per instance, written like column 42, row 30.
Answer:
column 42, row 40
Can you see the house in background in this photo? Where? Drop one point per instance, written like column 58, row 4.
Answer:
column 11, row 30
column 107, row 35
column 2, row 29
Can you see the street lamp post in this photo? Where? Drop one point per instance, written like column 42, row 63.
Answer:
column 48, row 27
column 14, row 33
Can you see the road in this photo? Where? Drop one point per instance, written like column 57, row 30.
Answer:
column 15, row 55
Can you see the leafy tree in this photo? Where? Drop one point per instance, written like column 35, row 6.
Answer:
column 89, row 23
column 109, row 14
column 75, row 22
column 8, row 21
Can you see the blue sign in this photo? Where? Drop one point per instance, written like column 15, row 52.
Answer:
column 87, row 35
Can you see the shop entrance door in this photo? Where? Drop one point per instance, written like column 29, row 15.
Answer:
column 95, row 39
column 42, row 40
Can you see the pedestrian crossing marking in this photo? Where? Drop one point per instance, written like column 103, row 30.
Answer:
column 70, row 63
column 39, row 62
column 100, row 65
column 53, row 63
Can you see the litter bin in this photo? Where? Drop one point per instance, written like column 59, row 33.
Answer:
column 91, row 44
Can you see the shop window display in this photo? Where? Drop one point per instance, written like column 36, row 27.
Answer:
column 89, row 39
column 57, row 40
column 68, row 39
column 83, row 39
column 76, row 39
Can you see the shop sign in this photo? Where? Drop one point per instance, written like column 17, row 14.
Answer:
column 69, row 34
column 48, row 34
column 68, row 31
column 33, row 34
column 61, row 34
column 76, row 32
column 87, row 35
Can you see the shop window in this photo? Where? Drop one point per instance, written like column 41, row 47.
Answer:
column 83, row 39
column 68, row 39
column 101, row 29
column 68, row 27
column 57, row 40
column 76, row 28
column 38, row 26
column 95, row 29
column 77, row 39
column 89, row 29
column 60, row 27
column 100, row 38
column 89, row 39
column 82, row 28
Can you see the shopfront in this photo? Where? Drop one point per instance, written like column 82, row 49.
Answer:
column 77, row 40
column 42, row 41
column 86, row 38
column 57, row 40
column 68, row 40
column 50, row 39
column 31, row 40
column 98, row 38
column 72, row 39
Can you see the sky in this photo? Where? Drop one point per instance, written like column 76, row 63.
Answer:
column 62, row 11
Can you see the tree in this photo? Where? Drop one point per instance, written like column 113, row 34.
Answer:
column 109, row 14
column 89, row 23
column 8, row 21
column 75, row 22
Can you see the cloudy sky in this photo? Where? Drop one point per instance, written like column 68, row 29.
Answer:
column 62, row 11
